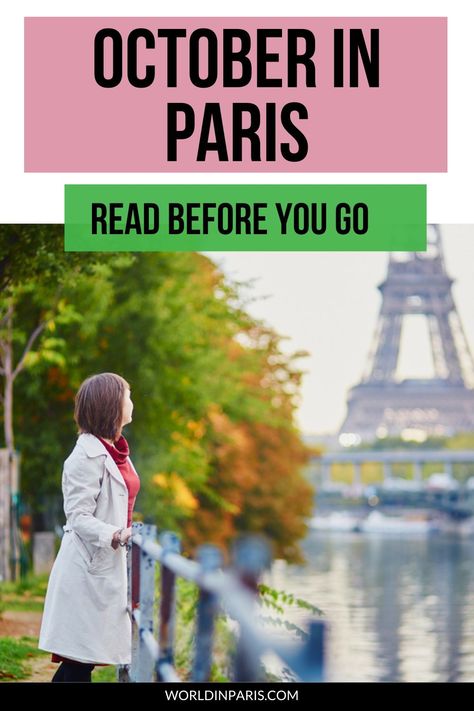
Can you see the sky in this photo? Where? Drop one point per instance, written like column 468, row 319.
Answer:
column 327, row 304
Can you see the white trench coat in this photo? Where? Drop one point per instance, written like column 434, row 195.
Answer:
column 85, row 614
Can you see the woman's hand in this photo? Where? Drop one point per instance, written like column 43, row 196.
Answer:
column 121, row 537
column 125, row 536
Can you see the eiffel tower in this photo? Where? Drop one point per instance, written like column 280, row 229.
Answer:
column 380, row 405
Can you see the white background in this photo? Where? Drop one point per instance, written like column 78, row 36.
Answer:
column 39, row 197
column 302, row 307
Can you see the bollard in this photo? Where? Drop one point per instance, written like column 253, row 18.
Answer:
column 210, row 559
column 170, row 544
column 251, row 558
column 43, row 552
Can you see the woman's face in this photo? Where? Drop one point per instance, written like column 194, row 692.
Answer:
column 127, row 408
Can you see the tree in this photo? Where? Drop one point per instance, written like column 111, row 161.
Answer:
column 212, row 388
column 34, row 270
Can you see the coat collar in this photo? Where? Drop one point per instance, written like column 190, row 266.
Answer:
column 93, row 447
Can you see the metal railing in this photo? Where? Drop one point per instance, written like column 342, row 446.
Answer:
column 234, row 591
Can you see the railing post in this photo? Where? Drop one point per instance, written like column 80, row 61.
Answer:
column 142, row 670
column 134, row 587
column 170, row 544
column 251, row 557
column 312, row 667
column 210, row 559
column 124, row 672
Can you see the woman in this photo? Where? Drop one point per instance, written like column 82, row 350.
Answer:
column 85, row 621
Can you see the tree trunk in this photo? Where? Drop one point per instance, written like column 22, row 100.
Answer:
column 8, row 397
column 11, row 537
column 10, row 534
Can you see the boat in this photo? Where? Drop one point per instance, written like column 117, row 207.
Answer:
column 335, row 521
column 377, row 522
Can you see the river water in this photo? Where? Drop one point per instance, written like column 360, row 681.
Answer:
column 398, row 609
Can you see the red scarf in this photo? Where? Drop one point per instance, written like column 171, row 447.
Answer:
column 120, row 451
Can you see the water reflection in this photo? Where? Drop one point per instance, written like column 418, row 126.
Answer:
column 398, row 609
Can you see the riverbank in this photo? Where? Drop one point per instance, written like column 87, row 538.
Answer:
column 21, row 606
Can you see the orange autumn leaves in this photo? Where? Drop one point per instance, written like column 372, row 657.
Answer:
column 176, row 487
column 254, row 484
column 239, row 466
column 257, row 475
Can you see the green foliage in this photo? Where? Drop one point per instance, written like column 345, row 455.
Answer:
column 187, row 596
column 30, row 252
column 26, row 594
column 15, row 655
column 224, row 638
column 32, row 585
column 275, row 598
column 104, row 674
column 278, row 600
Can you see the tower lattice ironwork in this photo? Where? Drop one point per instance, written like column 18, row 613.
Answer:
column 381, row 405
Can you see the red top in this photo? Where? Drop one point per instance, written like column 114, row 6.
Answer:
column 120, row 453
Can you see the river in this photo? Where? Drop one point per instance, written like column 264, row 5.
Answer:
column 398, row 609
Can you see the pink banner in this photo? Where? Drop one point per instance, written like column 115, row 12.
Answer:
column 235, row 94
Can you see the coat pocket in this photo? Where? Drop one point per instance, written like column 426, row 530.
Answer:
column 103, row 560
column 81, row 547
column 98, row 560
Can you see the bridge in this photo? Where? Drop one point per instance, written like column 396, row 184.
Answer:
column 453, row 499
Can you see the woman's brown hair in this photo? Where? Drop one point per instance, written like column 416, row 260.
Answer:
column 99, row 405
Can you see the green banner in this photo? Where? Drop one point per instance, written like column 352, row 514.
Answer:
column 274, row 218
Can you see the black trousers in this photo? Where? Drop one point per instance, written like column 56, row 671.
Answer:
column 73, row 671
